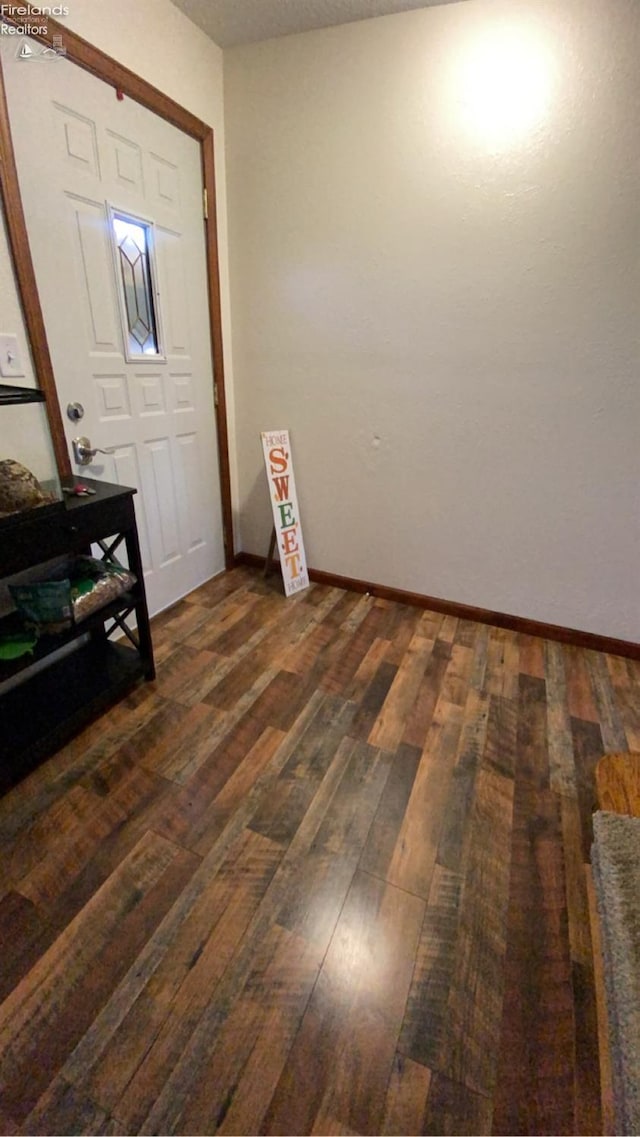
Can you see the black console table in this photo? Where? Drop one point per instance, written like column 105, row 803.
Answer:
column 45, row 698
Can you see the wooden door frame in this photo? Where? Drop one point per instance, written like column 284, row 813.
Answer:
column 127, row 83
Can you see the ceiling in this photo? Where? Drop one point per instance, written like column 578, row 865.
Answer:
column 232, row 22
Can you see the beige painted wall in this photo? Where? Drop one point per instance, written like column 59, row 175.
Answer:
column 156, row 41
column 439, row 297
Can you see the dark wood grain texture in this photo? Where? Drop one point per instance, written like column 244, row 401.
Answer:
column 537, row 1020
column 407, row 1095
column 343, row 1054
column 328, row 874
column 467, row 612
column 455, row 1109
column 425, row 1024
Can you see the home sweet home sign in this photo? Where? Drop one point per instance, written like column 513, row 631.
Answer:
column 286, row 515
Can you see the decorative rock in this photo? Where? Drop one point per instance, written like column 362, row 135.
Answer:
column 19, row 488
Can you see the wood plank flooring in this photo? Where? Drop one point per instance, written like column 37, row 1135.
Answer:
column 325, row 875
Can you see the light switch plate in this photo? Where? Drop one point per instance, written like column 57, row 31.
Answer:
column 10, row 362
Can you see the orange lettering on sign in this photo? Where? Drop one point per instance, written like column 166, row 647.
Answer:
column 294, row 563
column 290, row 541
column 278, row 459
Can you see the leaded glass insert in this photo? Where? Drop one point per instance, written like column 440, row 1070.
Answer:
column 133, row 249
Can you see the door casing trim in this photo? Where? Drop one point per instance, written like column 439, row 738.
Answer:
column 127, row 83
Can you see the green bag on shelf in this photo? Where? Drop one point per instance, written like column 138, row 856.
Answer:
column 85, row 585
column 46, row 605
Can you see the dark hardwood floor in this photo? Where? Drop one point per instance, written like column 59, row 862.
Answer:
column 325, row 875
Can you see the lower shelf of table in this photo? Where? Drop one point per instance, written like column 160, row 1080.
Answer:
column 42, row 714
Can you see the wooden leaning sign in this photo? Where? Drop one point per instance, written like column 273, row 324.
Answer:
column 286, row 515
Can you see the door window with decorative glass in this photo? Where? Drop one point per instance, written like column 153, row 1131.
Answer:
column 134, row 255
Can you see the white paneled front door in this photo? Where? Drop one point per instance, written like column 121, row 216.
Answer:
column 129, row 337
